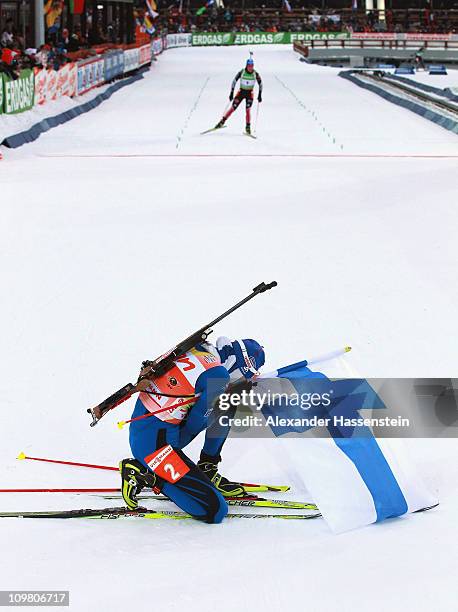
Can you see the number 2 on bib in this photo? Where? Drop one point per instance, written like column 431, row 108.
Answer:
column 168, row 467
column 167, row 464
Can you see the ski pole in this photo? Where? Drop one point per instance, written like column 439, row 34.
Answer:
column 256, row 119
column 226, row 108
column 88, row 465
column 248, row 486
column 161, row 409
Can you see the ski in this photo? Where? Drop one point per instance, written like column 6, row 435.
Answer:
column 249, row 488
column 250, row 135
column 116, row 513
column 247, row 501
column 213, row 129
column 264, row 488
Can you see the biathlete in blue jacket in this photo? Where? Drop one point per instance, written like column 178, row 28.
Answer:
column 163, row 425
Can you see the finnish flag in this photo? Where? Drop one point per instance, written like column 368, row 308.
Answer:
column 354, row 478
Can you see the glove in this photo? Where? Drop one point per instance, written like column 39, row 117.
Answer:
column 240, row 385
column 259, row 98
column 231, row 96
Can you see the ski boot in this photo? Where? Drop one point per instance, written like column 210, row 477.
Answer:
column 220, row 124
column 209, row 466
column 248, row 129
column 134, row 478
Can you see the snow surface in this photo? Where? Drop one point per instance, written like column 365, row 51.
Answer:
column 437, row 80
column 124, row 230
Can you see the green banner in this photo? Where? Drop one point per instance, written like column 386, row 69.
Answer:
column 18, row 94
column 1, row 93
column 305, row 36
column 261, row 38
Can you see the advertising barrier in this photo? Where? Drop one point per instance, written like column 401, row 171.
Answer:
column 261, row 38
column 66, row 80
column 113, row 64
column 18, row 94
column 418, row 36
column 90, row 74
column 50, row 85
column 145, row 54
column 178, row 40
column 42, row 85
column 131, row 60
column 158, row 46
column 1, row 93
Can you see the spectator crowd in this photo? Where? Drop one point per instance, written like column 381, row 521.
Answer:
column 58, row 49
column 14, row 55
column 262, row 18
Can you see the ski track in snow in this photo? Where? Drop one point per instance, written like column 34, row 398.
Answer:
column 115, row 245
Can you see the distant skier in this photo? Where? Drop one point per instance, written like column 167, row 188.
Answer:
column 248, row 78
column 182, row 410
column 419, row 59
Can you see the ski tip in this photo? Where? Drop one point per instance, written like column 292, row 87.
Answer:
column 121, row 424
column 427, row 508
column 21, row 456
column 213, row 129
column 347, row 349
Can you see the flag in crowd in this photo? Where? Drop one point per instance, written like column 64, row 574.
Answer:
column 152, row 9
column 287, row 6
column 207, row 5
column 149, row 16
column 76, row 7
column 148, row 24
column 53, row 13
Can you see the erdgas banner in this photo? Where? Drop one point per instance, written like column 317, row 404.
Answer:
column 18, row 94
column 261, row 38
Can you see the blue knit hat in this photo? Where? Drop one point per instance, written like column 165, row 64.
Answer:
column 241, row 357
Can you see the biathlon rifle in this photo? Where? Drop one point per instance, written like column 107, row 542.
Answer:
column 162, row 364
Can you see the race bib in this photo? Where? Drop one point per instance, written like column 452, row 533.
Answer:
column 167, row 464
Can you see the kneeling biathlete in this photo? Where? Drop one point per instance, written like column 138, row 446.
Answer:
column 157, row 440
